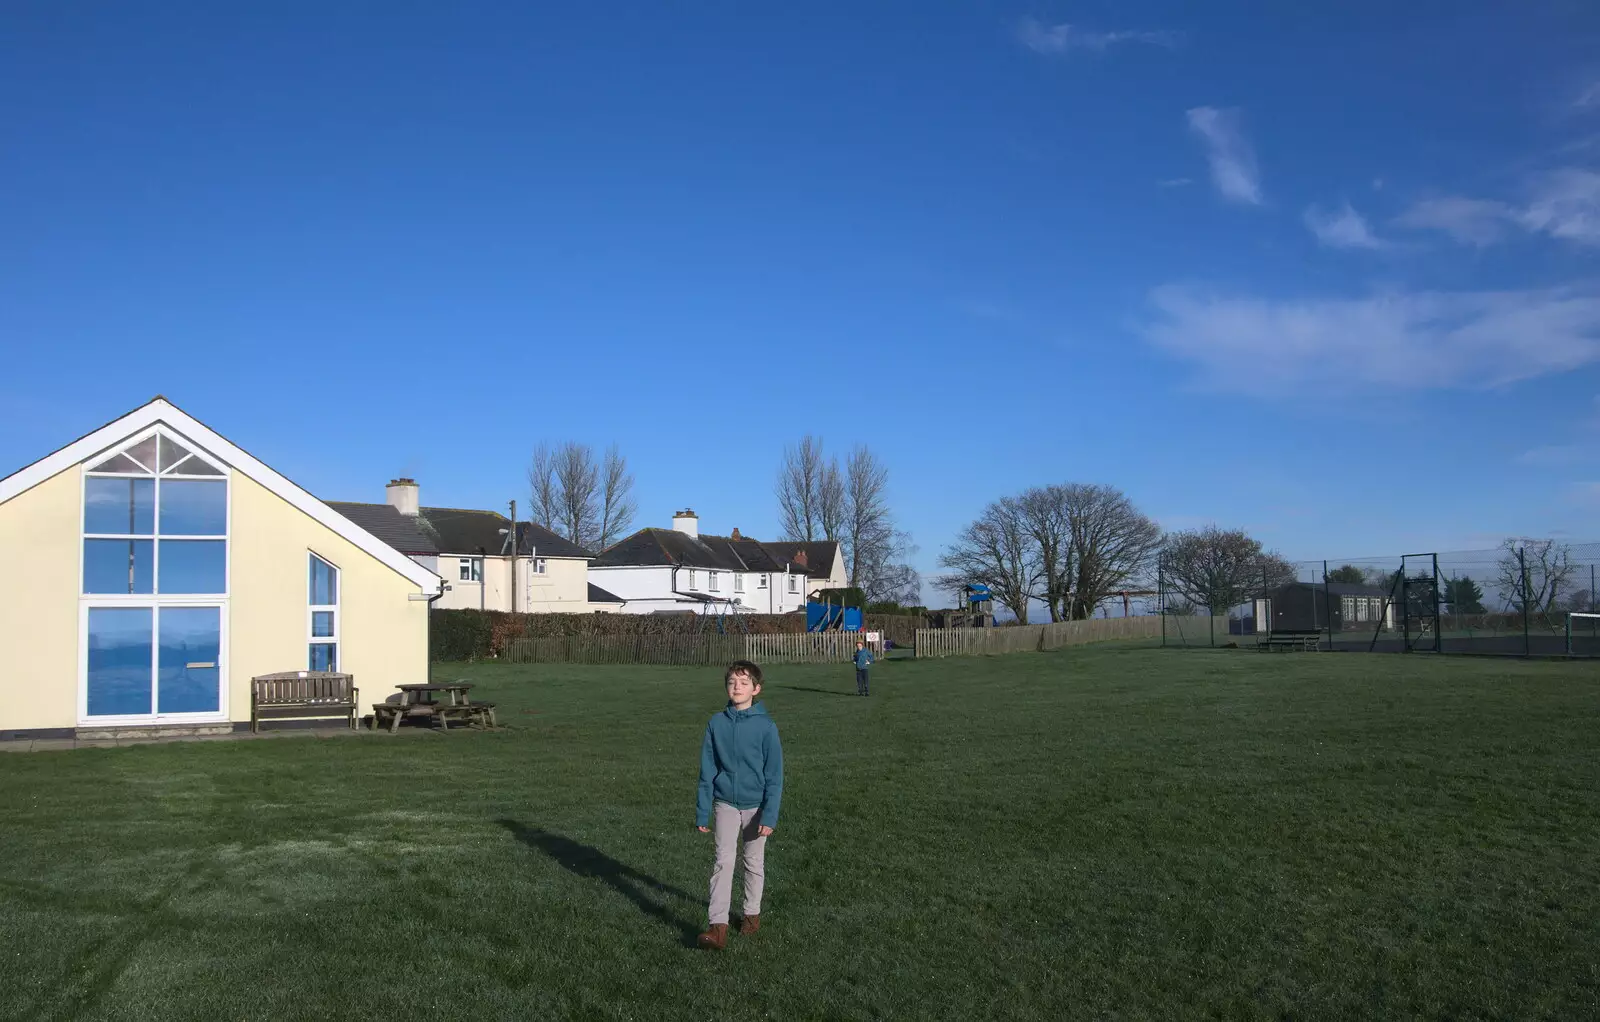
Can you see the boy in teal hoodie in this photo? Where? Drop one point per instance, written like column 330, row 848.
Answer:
column 741, row 785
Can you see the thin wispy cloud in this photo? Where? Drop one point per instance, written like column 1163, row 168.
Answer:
column 1563, row 203
column 1589, row 98
column 1477, row 222
column 1341, row 228
column 1175, row 182
column 1554, row 455
column 1394, row 341
column 1065, row 38
column 1232, row 159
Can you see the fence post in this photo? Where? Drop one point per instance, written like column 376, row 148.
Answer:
column 1438, row 612
column 1161, row 596
column 1327, row 603
column 1522, row 561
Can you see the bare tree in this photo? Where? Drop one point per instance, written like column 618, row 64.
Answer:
column 1535, row 579
column 1218, row 569
column 579, row 479
column 799, row 490
column 898, row 582
column 833, row 501
column 1044, row 516
column 617, row 506
column 868, row 537
column 1112, row 543
column 545, row 507
column 997, row 551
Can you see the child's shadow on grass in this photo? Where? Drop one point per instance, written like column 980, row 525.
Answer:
column 586, row 861
column 818, row 691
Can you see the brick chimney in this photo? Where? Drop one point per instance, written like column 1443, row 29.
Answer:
column 403, row 496
column 800, row 558
column 687, row 522
column 736, row 533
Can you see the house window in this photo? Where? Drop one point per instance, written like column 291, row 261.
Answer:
column 738, row 582
column 761, row 582
column 1347, row 608
column 471, row 569
column 155, row 580
column 711, row 581
column 1362, row 606
column 691, row 578
column 794, row 583
column 155, row 521
column 323, row 600
column 540, row 566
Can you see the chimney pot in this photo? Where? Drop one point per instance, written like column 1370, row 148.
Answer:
column 736, row 533
column 402, row 495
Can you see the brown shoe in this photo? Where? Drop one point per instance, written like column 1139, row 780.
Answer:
column 715, row 938
column 749, row 925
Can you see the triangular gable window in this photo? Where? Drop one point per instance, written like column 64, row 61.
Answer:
column 157, row 453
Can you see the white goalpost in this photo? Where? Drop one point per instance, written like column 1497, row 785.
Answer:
column 1578, row 614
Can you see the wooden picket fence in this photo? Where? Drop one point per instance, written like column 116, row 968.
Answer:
column 946, row 642
column 804, row 647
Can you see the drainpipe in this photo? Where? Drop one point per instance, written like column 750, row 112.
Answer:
column 483, row 576
column 428, row 624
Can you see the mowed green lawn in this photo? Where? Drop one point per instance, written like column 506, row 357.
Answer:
column 1102, row 833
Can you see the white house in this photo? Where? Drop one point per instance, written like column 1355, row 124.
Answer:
column 473, row 552
column 679, row 569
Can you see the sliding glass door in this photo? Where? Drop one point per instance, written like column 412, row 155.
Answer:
column 153, row 662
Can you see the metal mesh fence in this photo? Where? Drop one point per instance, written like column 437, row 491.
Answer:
column 1525, row 598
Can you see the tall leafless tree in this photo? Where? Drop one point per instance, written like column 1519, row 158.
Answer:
column 868, row 537
column 1112, row 543
column 799, row 490
column 579, row 479
column 1220, row 568
column 1538, row 577
column 617, row 506
column 833, row 501
column 545, row 506
column 997, row 551
column 1044, row 516
column 589, row 503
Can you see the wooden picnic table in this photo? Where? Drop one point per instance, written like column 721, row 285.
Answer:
column 421, row 701
column 412, row 695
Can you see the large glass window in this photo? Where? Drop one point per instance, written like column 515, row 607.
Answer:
column 145, row 509
column 324, row 616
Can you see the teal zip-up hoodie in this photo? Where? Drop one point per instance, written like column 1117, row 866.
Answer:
column 741, row 763
column 863, row 658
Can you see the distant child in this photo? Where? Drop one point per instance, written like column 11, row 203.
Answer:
column 741, row 785
column 863, row 660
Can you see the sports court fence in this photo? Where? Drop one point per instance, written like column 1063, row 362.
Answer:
column 1526, row 598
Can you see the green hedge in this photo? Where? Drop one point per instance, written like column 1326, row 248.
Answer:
column 482, row 634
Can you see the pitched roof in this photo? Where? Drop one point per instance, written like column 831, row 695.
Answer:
column 652, row 547
column 598, row 595
column 818, row 554
column 163, row 412
column 1341, row 588
column 534, row 538
column 453, row 530
column 403, row 532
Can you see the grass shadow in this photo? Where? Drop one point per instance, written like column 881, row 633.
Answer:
column 803, row 688
column 587, row 861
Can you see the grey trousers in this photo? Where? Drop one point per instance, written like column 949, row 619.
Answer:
column 727, row 826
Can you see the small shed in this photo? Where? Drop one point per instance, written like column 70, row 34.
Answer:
column 1309, row 606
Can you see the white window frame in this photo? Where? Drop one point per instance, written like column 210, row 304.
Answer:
column 541, row 566
column 313, row 639
column 691, row 584
column 794, row 583
column 473, row 568
column 712, row 585
column 157, row 600
column 738, row 582
column 761, row 582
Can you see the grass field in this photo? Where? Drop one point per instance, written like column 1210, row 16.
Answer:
column 1091, row 833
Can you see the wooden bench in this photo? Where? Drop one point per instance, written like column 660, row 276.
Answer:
column 303, row 694
column 1291, row 642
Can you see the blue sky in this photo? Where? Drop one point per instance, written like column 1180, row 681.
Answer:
column 1328, row 275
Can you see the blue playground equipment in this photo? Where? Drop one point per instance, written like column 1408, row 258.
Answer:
column 826, row 616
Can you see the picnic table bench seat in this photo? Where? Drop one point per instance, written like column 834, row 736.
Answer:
column 1283, row 642
column 303, row 694
column 390, row 714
